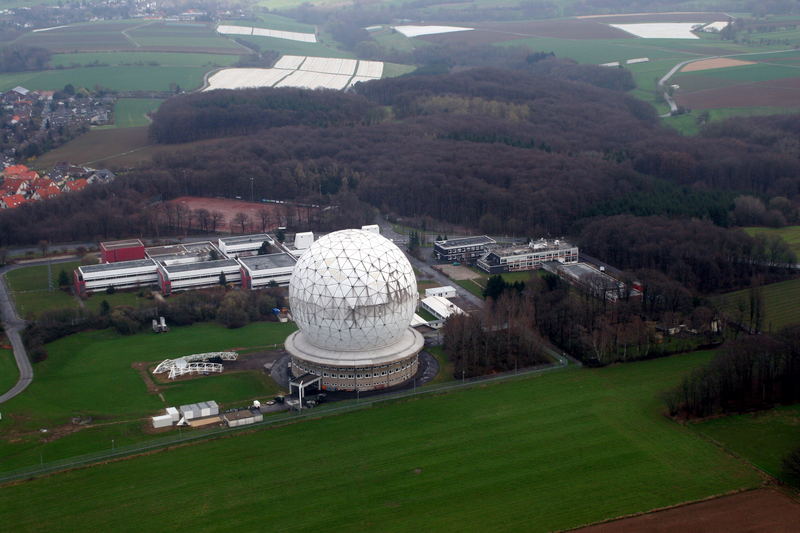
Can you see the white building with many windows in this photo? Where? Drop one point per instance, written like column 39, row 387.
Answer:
column 529, row 257
column 260, row 271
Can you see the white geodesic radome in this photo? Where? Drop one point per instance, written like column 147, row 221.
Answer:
column 353, row 290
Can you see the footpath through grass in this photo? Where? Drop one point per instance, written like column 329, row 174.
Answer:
column 764, row 438
column 543, row 453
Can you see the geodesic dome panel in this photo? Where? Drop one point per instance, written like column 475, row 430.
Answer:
column 353, row 290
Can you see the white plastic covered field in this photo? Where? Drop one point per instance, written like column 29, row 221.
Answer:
column 264, row 32
column 241, row 78
column 299, row 71
column 661, row 30
column 416, row 31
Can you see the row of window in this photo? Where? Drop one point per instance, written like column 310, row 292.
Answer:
column 358, row 376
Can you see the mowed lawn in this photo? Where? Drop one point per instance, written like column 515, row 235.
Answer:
column 542, row 453
column 8, row 369
column 90, row 373
column 764, row 438
column 30, row 290
column 132, row 112
column 781, row 307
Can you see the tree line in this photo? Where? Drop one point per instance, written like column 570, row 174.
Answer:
column 754, row 372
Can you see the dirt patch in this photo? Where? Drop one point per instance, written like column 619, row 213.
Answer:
column 755, row 511
column 144, row 372
column 720, row 62
column 284, row 214
column 773, row 93
column 457, row 273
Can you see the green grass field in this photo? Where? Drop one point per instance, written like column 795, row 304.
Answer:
column 272, row 21
column 131, row 112
column 790, row 234
column 29, row 288
column 762, row 438
column 780, row 304
column 112, row 148
column 121, row 78
column 8, row 370
column 687, row 124
column 538, row 454
column 445, row 366
column 90, row 374
column 284, row 46
column 163, row 59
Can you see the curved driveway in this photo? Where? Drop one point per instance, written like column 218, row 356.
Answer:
column 13, row 325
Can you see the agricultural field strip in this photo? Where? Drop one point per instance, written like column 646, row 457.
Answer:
column 299, row 71
column 263, row 32
column 417, row 31
column 660, row 30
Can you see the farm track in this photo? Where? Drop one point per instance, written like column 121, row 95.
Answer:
column 663, row 81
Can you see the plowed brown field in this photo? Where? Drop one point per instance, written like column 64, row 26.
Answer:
column 755, row 511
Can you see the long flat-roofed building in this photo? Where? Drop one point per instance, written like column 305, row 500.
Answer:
column 528, row 257
column 243, row 245
column 260, row 270
column 120, row 275
column 178, row 277
column 127, row 250
column 463, row 250
column 178, row 254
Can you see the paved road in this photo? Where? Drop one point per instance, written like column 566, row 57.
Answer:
column 13, row 325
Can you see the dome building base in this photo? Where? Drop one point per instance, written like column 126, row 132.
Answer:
column 377, row 368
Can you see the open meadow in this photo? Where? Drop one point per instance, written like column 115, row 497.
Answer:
column 32, row 292
column 119, row 78
column 780, row 304
column 91, row 375
column 790, row 234
column 764, row 438
column 503, row 457
column 132, row 112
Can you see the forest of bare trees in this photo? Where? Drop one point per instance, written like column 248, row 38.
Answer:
column 754, row 372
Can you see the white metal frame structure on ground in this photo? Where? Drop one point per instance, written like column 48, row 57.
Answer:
column 306, row 380
column 194, row 364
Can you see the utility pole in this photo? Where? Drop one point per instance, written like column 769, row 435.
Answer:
column 252, row 196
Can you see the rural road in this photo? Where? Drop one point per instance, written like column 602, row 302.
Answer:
column 673, row 107
column 13, row 325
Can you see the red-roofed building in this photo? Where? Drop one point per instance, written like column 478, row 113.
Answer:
column 41, row 183
column 13, row 170
column 46, row 192
column 76, row 185
column 12, row 201
column 30, row 175
column 15, row 185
